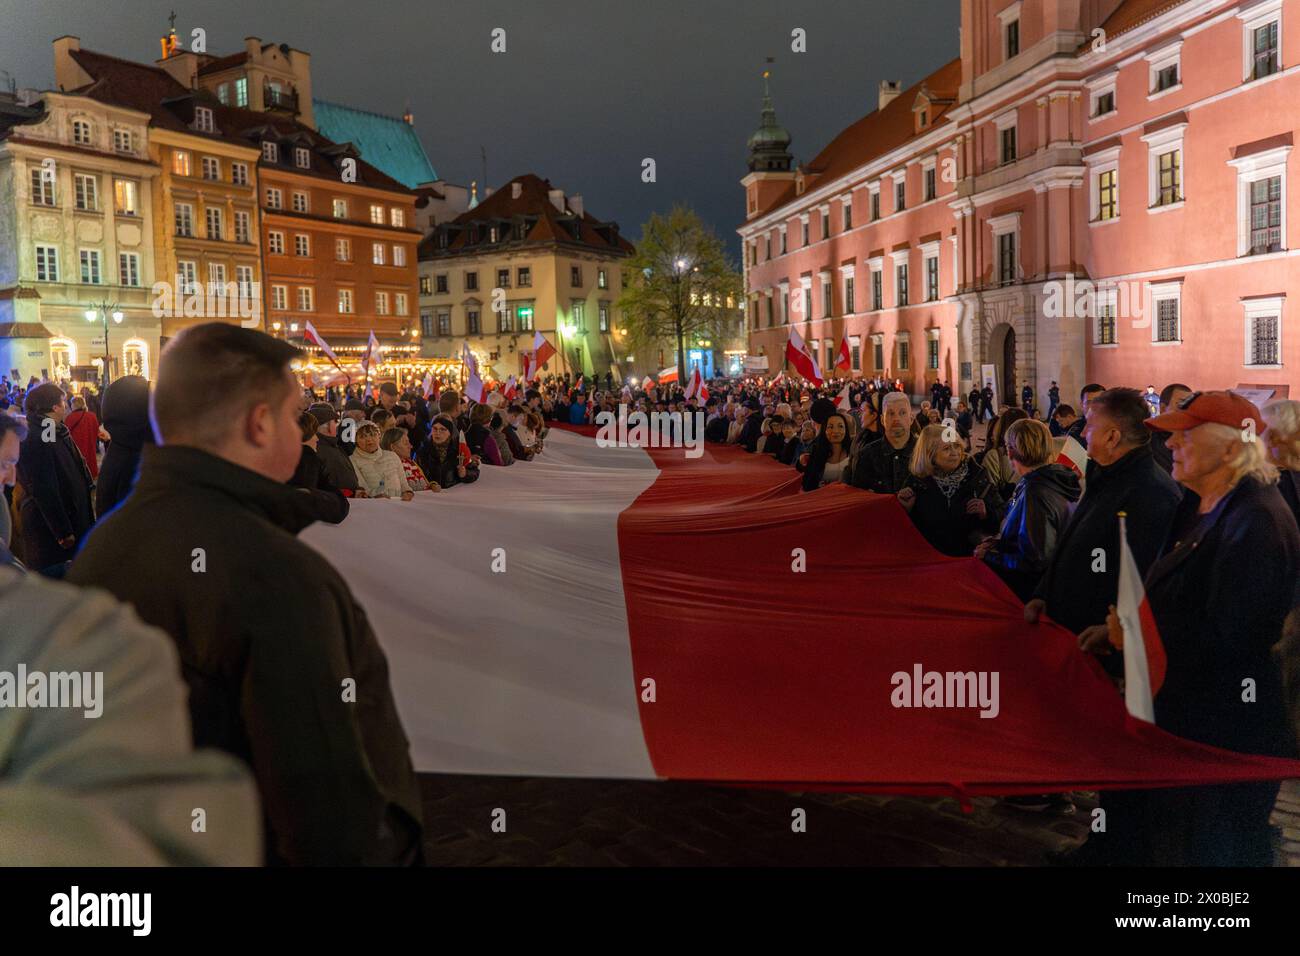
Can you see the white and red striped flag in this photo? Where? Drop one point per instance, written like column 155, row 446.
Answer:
column 1073, row 456
column 311, row 335
column 797, row 354
column 372, row 349
column 509, row 390
column 667, row 375
column 529, row 371
column 473, row 384
column 1144, row 652
column 842, row 400
column 695, row 388
column 542, row 350
column 843, row 359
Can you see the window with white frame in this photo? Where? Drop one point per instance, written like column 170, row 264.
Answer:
column 345, row 301
column 340, row 209
column 826, row 221
column 87, row 191
column 126, row 196
column 399, row 256
column 343, row 250
column 929, row 179
column 377, row 214
column 270, row 152
column 785, row 302
column 1261, row 201
column 932, row 349
column 1164, row 69
column 217, row 275
column 306, row 299
column 850, row 301
column 377, row 253
column 280, row 297
column 239, row 174
column 47, row 263
column 187, row 276
column 301, row 244
column 184, row 219
column 302, row 157
column 803, row 228
column 903, row 342
column 784, row 245
column 1105, row 319
column 1261, row 40
column 855, row 352
column 900, row 277
column 244, row 282
column 846, row 213
column 241, row 225
column 1103, row 180
column 122, row 140
column 806, row 297
column 1166, row 313
column 274, row 198
column 1101, row 95
column 301, row 202
column 1165, row 166
column 181, row 162
column 828, row 294
column 900, row 190
column 81, row 132
column 90, row 273
column 211, row 167
column 397, row 217
column 931, row 261
column 1264, row 331
column 399, row 303
column 275, row 242
column 381, row 303
column 1006, row 246
column 203, row 120
column 878, row 352
column 877, row 269
column 42, row 185
column 213, row 221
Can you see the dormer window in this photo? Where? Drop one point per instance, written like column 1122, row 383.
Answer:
column 925, row 118
column 81, row 132
column 270, row 152
column 203, row 120
column 302, row 158
column 122, row 140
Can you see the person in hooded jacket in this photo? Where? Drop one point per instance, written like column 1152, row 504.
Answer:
column 479, row 436
column 439, row 457
column 1038, row 512
column 312, row 476
column 126, row 419
column 58, row 494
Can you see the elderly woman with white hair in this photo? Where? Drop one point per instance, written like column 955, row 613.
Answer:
column 1219, row 593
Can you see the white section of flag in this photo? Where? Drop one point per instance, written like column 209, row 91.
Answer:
column 526, row 672
column 1138, row 697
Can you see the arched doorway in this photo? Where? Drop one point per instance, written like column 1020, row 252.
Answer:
column 1002, row 354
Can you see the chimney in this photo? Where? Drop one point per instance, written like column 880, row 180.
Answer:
column 253, row 46
column 68, row 74
column 889, row 90
column 516, row 190
column 556, row 197
column 575, row 203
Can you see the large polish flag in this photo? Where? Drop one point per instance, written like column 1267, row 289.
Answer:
column 590, row 656
column 1144, row 652
column 666, row 376
column 542, row 351
column 842, row 401
column 798, row 356
column 842, row 358
column 474, row 387
column 695, row 388
column 315, row 337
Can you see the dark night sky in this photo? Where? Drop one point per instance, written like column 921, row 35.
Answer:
column 585, row 91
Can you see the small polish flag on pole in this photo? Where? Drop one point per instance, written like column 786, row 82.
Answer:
column 509, row 390
column 843, row 359
column 842, row 400
column 319, row 341
column 667, row 375
column 695, row 387
column 797, row 354
column 428, row 383
column 1144, row 652
column 1073, row 455
column 528, row 372
column 372, row 349
column 542, row 350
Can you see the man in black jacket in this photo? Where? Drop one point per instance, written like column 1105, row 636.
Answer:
column 1082, row 577
column 58, row 505
column 1086, row 395
column 283, row 668
column 752, row 430
column 1170, row 396
column 882, row 466
column 334, row 460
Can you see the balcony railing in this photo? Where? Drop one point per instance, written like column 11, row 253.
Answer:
column 273, row 99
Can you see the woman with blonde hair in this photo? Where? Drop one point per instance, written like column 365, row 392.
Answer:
column 1282, row 442
column 950, row 498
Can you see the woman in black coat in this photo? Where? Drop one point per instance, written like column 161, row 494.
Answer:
column 439, row 457
column 126, row 419
column 951, row 499
column 58, row 493
column 311, row 476
column 830, row 453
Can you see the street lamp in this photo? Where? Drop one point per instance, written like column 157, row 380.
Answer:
column 100, row 313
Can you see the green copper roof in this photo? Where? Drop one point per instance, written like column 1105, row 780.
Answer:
column 386, row 142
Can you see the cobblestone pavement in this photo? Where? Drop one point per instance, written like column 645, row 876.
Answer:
column 557, row 822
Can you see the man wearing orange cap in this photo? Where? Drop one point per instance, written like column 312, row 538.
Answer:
column 1219, row 592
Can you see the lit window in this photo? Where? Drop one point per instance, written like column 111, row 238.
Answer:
column 241, row 91
column 345, row 301
column 398, row 217
column 340, row 209
column 1107, row 195
column 181, row 162
column 377, row 253
column 399, row 255
column 377, row 214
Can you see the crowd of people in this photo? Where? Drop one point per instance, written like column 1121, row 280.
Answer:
column 266, row 631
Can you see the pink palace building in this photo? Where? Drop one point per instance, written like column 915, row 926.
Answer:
column 1095, row 190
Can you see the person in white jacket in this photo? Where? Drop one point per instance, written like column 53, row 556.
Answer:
column 109, row 776
column 379, row 472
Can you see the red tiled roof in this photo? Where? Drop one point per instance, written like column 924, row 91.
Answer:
column 153, row 90
column 1132, row 13
column 220, row 63
column 881, row 131
column 534, row 202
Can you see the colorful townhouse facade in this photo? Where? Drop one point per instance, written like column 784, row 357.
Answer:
column 1094, row 190
column 526, row 258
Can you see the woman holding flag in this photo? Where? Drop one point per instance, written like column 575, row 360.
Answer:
column 1217, row 596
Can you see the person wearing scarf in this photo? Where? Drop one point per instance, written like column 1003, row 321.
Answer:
column 952, row 502
column 439, row 457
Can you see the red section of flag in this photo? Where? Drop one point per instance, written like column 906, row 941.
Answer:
column 843, row 359
column 797, row 355
column 751, row 686
column 542, row 350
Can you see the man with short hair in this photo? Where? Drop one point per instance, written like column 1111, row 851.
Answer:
column 1062, row 419
column 1086, row 394
column 882, row 465
column 283, row 668
column 1053, row 399
column 58, row 506
column 1170, row 396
